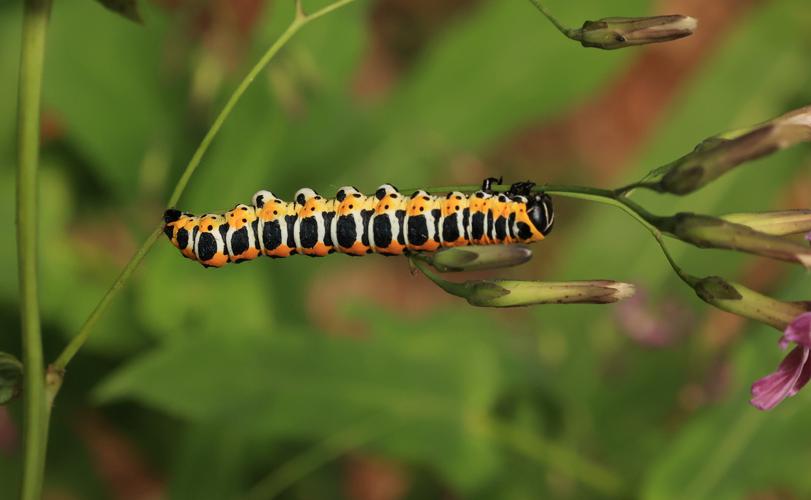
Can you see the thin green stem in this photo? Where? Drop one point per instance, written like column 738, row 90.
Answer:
column 556, row 457
column 84, row 332
column 32, row 57
column 563, row 29
column 296, row 24
column 329, row 449
column 457, row 289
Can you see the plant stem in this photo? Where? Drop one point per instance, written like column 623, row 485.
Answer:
column 84, row 332
column 35, row 24
column 300, row 20
column 554, row 456
column 563, row 29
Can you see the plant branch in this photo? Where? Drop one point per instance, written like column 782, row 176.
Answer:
column 36, row 414
column 568, row 32
column 300, row 20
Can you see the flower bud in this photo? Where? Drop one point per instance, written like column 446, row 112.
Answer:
column 477, row 258
column 11, row 374
column 513, row 293
column 717, row 155
column 737, row 299
column 779, row 223
column 618, row 32
column 711, row 232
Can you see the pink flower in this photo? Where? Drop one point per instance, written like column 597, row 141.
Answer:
column 793, row 373
column 808, row 237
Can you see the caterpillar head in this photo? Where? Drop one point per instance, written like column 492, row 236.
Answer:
column 172, row 221
column 541, row 213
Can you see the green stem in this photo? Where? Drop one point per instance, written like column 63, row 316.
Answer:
column 329, row 449
column 299, row 21
column 84, row 332
column 568, row 32
column 456, row 289
column 556, row 457
column 35, row 24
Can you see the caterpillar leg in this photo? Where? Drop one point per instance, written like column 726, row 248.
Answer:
column 487, row 184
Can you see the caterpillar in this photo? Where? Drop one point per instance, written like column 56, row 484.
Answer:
column 387, row 223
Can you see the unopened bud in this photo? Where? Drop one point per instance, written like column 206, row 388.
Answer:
column 618, row 32
column 512, row 293
column 11, row 374
column 738, row 299
column 711, row 232
column 477, row 258
column 718, row 155
column 779, row 223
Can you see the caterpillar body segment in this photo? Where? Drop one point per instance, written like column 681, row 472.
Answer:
column 388, row 223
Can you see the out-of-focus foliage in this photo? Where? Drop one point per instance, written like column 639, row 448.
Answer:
column 276, row 375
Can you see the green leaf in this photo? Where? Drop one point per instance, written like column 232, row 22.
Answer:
column 124, row 8
column 11, row 375
column 424, row 395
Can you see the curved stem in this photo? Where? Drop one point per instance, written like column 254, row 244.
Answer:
column 35, row 24
column 563, row 29
column 298, row 22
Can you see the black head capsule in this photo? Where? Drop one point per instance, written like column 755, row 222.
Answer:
column 541, row 213
column 170, row 216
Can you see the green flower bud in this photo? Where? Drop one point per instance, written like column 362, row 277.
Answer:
column 718, row 155
column 738, row 299
column 779, row 223
column 11, row 375
column 618, row 32
column 477, row 258
column 513, row 293
column 711, row 232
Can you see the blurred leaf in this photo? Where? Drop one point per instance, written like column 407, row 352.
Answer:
column 114, row 104
column 430, row 390
column 124, row 8
column 11, row 374
column 209, row 464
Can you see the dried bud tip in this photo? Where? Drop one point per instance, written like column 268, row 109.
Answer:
column 619, row 32
column 779, row 223
column 716, row 156
column 712, row 232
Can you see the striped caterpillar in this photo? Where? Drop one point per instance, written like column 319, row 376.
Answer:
column 387, row 223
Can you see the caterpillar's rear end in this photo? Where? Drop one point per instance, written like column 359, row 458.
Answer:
column 352, row 223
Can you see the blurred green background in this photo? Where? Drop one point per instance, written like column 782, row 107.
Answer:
column 353, row 378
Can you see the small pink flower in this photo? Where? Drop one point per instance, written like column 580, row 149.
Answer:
column 794, row 371
column 808, row 237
